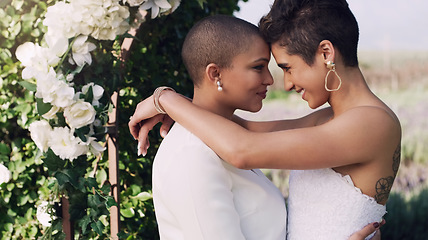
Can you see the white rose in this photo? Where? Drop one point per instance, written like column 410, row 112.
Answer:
column 134, row 3
column 97, row 92
column 79, row 114
column 94, row 146
column 175, row 4
column 102, row 19
column 62, row 20
column 81, row 51
column 40, row 133
column 53, row 90
column 5, row 174
column 51, row 114
column 65, row 145
column 36, row 59
column 57, row 44
column 42, row 214
column 159, row 6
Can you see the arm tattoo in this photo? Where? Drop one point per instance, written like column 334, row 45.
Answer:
column 384, row 185
column 396, row 159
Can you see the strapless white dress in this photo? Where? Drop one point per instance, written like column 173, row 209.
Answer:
column 323, row 204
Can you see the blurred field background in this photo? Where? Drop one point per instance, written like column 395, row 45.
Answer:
column 400, row 79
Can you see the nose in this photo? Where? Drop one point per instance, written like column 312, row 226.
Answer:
column 268, row 79
column 288, row 85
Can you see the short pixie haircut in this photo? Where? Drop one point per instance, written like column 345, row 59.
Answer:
column 216, row 39
column 300, row 26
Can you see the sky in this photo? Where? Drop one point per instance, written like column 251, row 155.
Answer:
column 385, row 25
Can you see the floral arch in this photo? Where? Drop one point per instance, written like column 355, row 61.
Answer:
column 74, row 111
column 74, row 72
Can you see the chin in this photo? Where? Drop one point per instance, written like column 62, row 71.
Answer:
column 314, row 106
column 253, row 109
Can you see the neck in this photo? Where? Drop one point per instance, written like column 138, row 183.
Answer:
column 354, row 91
column 210, row 101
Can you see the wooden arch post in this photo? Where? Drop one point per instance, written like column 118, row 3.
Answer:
column 113, row 156
column 113, row 149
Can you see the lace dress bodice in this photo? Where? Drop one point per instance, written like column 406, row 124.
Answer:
column 323, row 204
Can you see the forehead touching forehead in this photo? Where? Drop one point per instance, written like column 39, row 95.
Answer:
column 216, row 39
column 301, row 25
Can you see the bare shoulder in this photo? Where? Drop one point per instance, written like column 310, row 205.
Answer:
column 374, row 129
column 377, row 127
column 374, row 116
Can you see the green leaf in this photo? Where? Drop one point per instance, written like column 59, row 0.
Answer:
column 89, row 95
column 53, row 162
column 10, row 186
column 62, row 178
column 81, row 132
column 143, row 196
column 127, row 212
column 98, row 227
column 22, row 200
column 61, row 119
column 201, row 3
column 110, row 202
column 4, row 149
column 101, row 176
column 91, row 182
column 84, row 223
column 106, row 188
column 94, row 201
column 29, row 86
column 122, row 235
column 42, row 107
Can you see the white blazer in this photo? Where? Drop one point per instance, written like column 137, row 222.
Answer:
column 199, row 196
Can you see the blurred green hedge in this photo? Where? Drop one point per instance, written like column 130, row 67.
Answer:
column 407, row 217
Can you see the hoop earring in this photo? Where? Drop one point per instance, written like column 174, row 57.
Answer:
column 332, row 67
column 219, row 88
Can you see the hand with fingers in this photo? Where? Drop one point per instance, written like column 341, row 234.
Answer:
column 142, row 122
column 367, row 230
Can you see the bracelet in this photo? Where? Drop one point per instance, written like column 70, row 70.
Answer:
column 156, row 96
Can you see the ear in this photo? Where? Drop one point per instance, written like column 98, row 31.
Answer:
column 212, row 72
column 326, row 49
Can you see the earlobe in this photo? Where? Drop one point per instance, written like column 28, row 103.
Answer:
column 213, row 74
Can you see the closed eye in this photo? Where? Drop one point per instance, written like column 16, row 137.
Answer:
column 284, row 67
column 259, row 67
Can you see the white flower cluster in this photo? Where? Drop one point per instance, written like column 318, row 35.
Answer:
column 101, row 19
column 157, row 6
column 42, row 214
column 70, row 23
column 5, row 174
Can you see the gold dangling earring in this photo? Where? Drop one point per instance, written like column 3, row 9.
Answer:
column 332, row 67
column 219, row 88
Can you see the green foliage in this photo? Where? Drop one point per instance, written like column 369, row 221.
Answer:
column 20, row 21
column 155, row 60
column 406, row 219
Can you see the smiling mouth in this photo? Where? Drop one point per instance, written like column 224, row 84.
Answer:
column 301, row 91
column 262, row 94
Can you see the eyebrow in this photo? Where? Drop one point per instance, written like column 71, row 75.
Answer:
column 261, row 59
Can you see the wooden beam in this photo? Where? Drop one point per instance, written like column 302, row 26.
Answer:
column 113, row 148
column 113, row 159
column 67, row 225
